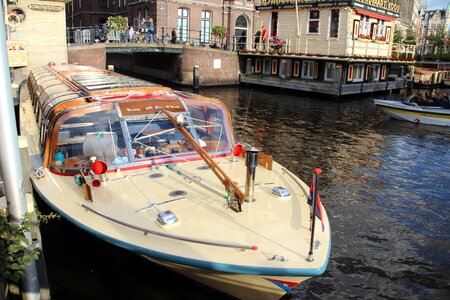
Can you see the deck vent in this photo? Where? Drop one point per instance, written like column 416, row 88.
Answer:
column 203, row 167
column 178, row 193
column 156, row 175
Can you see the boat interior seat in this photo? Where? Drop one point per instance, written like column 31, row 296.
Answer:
column 101, row 145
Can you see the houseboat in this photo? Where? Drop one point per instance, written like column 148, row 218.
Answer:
column 158, row 172
column 330, row 47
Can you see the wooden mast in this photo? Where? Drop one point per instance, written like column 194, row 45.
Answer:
column 231, row 188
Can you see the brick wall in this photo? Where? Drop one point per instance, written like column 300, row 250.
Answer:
column 90, row 55
column 216, row 67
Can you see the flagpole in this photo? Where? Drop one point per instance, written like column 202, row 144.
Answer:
column 315, row 194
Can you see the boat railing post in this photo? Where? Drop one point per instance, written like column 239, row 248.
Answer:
column 315, row 194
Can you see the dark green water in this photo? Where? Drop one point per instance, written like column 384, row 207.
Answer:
column 385, row 186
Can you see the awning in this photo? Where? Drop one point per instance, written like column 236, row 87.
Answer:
column 374, row 15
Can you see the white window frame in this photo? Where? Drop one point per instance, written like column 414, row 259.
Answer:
column 308, row 65
column 364, row 27
column 183, row 23
column 358, row 72
column 313, row 20
column 326, row 77
column 205, row 26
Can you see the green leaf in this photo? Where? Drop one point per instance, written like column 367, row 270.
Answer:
column 14, row 248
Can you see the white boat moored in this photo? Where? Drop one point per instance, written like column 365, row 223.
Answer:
column 157, row 171
column 410, row 111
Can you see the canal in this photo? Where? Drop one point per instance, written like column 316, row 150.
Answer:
column 386, row 188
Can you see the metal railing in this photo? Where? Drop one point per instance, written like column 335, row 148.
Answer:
column 101, row 34
column 281, row 44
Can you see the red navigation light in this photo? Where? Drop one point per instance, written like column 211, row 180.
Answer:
column 317, row 171
column 96, row 183
column 99, row 167
column 238, row 149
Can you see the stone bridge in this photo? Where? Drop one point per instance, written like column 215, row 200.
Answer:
column 174, row 63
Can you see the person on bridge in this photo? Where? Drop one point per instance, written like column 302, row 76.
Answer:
column 142, row 29
column 151, row 30
column 174, row 36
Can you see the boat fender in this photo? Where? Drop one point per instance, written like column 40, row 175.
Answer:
column 39, row 173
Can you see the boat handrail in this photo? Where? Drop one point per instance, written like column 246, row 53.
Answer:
column 172, row 236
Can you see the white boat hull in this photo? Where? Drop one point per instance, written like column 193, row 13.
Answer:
column 416, row 114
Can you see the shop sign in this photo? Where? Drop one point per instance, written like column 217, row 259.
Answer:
column 377, row 6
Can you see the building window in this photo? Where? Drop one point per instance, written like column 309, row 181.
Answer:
column 376, row 72
column 146, row 13
column 334, row 23
column 364, row 29
column 381, row 32
column 274, row 24
column 240, row 33
column 358, row 72
column 267, row 66
column 183, row 25
column 205, row 33
column 330, row 69
column 313, row 21
column 307, row 69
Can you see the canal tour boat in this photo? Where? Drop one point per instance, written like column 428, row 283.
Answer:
column 412, row 112
column 158, row 172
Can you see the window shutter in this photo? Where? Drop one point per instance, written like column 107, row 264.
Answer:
column 355, row 29
column 350, row 73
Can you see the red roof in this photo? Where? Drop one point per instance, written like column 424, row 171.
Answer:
column 374, row 15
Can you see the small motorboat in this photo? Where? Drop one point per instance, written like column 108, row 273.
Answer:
column 412, row 112
column 158, row 172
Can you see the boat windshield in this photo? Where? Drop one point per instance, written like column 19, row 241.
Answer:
column 118, row 138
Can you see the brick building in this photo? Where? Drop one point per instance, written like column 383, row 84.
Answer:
column 193, row 20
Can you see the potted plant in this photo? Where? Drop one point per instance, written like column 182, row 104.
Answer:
column 219, row 32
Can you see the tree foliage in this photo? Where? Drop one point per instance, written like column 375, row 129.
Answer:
column 398, row 36
column 119, row 23
column 219, row 31
column 411, row 36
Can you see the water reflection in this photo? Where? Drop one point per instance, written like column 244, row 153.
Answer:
column 385, row 186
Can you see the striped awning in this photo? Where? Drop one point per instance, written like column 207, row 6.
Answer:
column 371, row 14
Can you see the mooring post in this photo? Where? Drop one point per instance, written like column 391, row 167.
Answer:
column 11, row 167
column 196, row 78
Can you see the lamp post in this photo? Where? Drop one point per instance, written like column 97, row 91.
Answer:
column 163, row 37
column 228, row 5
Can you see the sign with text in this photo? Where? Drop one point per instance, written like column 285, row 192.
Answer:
column 378, row 6
column 137, row 108
column 17, row 53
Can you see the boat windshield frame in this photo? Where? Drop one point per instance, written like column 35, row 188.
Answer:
column 102, row 131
